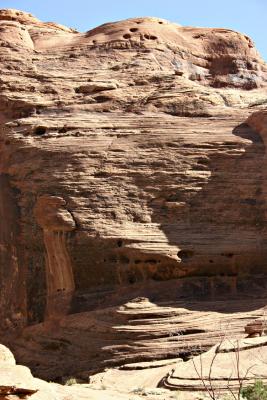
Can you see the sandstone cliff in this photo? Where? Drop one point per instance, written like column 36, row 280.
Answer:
column 128, row 168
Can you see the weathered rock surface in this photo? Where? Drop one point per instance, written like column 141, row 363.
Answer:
column 258, row 122
column 129, row 168
column 223, row 367
column 220, row 370
column 138, row 331
column 255, row 328
column 14, row 379
column 17, row 382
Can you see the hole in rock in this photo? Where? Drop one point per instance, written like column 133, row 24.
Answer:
column 127, row 36
column 63, row 130
column 40, row 130
column 151, row 37
column 131, row 280
column 192, row 331
column 211, row 261
column 151, row 261
column 133, row 29
column 160, row 22
column 101, row 99
column 185, row 254
column 119, row 243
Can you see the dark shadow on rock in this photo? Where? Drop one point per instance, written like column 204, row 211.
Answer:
column 219, row 230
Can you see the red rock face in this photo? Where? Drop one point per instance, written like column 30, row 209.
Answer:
column 126, row 163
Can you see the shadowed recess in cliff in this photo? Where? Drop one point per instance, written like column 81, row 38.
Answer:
column 218, row 228
column 12, row 271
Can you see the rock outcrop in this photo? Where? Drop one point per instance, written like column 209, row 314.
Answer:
column 225, row 367
column 258, row 122
column 17, row 382
column 129, row 168
column 219, row 371
column 14, row 379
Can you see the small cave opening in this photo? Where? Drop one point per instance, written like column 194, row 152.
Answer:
column 119, row 243
column 127, row 36
column 151, row 261
column 40, row 130
column 192, row 331
column 101, row 99
column 150, row 37
column 133, row 29
column 131, row 280
column 185, row 255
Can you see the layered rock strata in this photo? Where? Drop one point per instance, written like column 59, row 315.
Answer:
column 223, row 368
column 128, row 168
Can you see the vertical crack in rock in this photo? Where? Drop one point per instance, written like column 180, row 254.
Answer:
column 56, row 222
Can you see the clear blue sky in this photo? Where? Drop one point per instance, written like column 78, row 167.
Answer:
column 246, row 16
